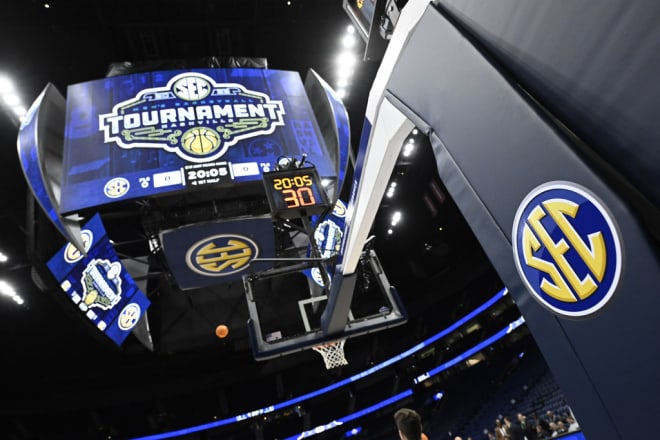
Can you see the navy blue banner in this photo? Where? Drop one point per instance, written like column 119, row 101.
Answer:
column 99, row 284
column 213, row 253
column 328, row 235
column 139, row 135
column 28, row 155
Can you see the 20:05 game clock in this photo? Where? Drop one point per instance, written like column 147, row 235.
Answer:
column 295, row 192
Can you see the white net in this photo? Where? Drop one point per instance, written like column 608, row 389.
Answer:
column 333, row 354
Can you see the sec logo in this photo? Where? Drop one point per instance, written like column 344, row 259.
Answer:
column 567, row 249
column 192, row 87
column 116, row 187
column 340, row 209
column 316, row 276
column 129, row 316
column 72, row 254
column 221, row 255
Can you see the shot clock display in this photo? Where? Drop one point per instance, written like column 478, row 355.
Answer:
column 295, row 192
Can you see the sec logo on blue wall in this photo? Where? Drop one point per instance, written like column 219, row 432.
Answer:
column 567, row 249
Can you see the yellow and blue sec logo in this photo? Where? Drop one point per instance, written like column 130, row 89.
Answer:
column 129, row 316
column 316, row 276
column 567, row 249
column 221, row 255
column 340, row 209
column 72, row 254
column 116, row 187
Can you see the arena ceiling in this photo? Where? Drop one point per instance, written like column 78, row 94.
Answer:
column 54, row 373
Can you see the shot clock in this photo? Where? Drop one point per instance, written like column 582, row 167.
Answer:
column 295, row 192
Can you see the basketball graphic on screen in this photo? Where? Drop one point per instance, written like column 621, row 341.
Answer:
column 200, row 141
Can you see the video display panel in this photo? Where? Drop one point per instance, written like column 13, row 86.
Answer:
column 99, row 284
column 147, row 134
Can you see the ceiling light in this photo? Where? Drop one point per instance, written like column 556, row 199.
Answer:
column 346, row 59
column 389, row 232
column 415, row 131
column 393, row 184
column 396, row 217
column 348, row 41
column 6, row 289
column 11, row 99
column 390, row 193
column 411, row 140
column 342, row 83
column 5, row 85
column 3, row 258
column 341, row 93
column 344, row 72
column 350, row 29
column 19, row 110
column 46, row 5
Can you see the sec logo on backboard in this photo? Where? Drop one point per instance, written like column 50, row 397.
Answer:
column 567, row 249
column 221, row 255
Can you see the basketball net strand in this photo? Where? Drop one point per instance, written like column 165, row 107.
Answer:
column 333, row 354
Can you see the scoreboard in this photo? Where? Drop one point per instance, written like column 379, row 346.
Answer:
column 149, row 134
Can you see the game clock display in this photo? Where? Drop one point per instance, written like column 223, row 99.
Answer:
column 295, row 192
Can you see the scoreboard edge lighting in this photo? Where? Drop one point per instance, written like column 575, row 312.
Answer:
column 295, row 192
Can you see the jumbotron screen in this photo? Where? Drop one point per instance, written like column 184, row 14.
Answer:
column 147, row 134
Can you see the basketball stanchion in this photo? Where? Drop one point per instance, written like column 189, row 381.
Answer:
column 333, row 353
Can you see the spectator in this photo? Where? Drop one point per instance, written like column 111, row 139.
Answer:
column 550, row 417
column 529, row 430
column 409, row 424
column 541, row 432
column 500, row 430
column 543, row 422
column 514, row 431
column 572, row 424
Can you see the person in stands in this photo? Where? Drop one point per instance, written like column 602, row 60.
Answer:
column 500, row 430
column 409, row 424
column 529, row 430
column 514, row 431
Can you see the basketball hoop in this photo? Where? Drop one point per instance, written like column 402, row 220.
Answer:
column 333, row 353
